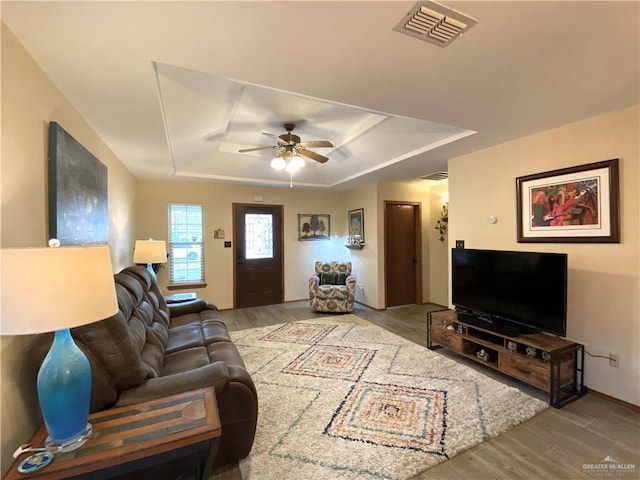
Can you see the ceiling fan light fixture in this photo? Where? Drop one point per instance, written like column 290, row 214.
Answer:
column 295, row 164
column 278, row 163
column 290, row 150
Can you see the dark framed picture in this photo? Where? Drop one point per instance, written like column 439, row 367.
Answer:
column 571, row 205
column 314, row 226
column 356, row 226
column 78, row 204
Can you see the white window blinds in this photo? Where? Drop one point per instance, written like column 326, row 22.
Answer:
column 186, row 243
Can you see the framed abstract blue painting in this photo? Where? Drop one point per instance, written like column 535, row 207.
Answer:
column 78, row 203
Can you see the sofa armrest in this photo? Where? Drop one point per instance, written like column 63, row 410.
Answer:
column 192, row 306
column 213, row 375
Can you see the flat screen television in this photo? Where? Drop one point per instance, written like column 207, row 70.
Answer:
column 511, row 293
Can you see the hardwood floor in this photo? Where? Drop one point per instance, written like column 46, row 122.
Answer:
column 554, row 445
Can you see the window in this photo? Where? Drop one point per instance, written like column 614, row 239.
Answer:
column 186, row 243
column 258, row 235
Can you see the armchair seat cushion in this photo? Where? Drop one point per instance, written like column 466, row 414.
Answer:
column 331, row 291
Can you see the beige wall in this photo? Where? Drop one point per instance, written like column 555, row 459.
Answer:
column 438, row 251
column 604, row 285
column 154, row 197
column 29, row 102
column 366, row 261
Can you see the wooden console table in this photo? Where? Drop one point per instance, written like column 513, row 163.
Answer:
column 133, row 437
column 549, row 363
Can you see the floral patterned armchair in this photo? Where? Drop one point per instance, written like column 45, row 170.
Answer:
column 332, row 288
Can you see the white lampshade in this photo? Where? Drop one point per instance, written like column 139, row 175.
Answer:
column 150, row 251
column 52, row 288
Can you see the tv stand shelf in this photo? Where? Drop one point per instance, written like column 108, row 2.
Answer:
column 549, row 363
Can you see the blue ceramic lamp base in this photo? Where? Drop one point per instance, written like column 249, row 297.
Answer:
column 69, row 445
column 152, row 271
column 64, row 392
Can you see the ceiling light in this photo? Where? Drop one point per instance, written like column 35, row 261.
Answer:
column 278, row 163
column 295, row 164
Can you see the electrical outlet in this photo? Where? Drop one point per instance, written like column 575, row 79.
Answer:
column 614, row 360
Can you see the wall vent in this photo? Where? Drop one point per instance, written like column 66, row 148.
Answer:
column 435, row 23
column 441, row 175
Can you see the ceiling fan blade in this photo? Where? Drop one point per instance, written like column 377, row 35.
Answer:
column 277, row 138
column 244, row 150
column 313, row 155
column 317, row 144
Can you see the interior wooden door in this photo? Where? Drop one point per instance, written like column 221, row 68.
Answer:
column 258, row 255
column 402, row 246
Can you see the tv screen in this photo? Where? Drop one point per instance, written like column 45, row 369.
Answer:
column 523, row 288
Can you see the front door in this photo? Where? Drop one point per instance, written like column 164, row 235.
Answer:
column 403, row 272
column 258, row 255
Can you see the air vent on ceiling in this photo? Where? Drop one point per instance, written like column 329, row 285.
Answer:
column 441, row 175
column 435, row 23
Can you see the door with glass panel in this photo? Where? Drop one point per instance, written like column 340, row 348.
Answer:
column 258, row 255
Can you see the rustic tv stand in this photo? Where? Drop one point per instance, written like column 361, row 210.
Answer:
column 549, row 363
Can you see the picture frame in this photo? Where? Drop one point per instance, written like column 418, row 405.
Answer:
column 78, row 202
column 571, row 205
column 355, row 222
column 314, row 226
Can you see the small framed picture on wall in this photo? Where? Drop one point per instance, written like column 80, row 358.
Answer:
column 314, row 226
column 356, row 227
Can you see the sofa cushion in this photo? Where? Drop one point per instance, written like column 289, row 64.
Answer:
column 181, row 338
column 225, row 352
column 185, row 360
column 148, row 329
column 115, row 345
column 215, row 331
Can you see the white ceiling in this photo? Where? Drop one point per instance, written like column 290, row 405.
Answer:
column 175, row 88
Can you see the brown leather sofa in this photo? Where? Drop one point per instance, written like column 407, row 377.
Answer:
column 150, row 349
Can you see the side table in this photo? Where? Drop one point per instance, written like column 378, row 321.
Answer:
column 180, row 297
column 130, row 438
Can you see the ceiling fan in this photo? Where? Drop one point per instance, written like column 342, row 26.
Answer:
column 289, row 145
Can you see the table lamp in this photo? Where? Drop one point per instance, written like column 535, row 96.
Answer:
column 52, row 290
column 150, row 251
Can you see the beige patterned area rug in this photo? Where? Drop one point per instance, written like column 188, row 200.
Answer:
column 341, row 398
